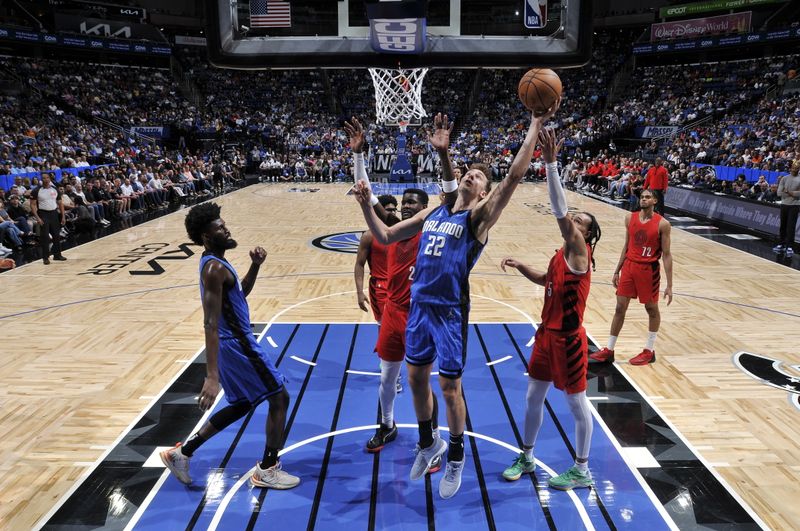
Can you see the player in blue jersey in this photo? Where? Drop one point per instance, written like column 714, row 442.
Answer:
column 234, row 360
column 453, row 236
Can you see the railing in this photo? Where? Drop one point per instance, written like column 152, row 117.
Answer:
column 145, row 138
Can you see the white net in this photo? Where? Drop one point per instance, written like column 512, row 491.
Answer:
column 398, row 95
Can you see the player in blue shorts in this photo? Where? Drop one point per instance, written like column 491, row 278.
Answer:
column 234, row 360
column 453, row 236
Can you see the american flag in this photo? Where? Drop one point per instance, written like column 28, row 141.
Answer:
column 270, row 14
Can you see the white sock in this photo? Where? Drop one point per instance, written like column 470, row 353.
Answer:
column 534, row 410
column 388, row 389
column 583, row 467
column 612, row 342
column 581, row 410
column 651, row 340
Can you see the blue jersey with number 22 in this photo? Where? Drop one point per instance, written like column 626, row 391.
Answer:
column 447, row 252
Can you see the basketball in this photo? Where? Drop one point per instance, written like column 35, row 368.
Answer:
column 539, row 89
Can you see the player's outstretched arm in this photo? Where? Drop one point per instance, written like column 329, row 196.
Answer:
column 440, row 141
column 488, row 211
column 355, row 132
column 535, row 276
column 575, row 252
column 386, row 235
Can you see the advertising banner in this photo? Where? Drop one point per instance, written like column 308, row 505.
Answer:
column 697, row 8
column 94, row 43
column 716, row 41
column 655, row 131
column 151, row 131
column 99, row 27
column 753, row 215
column 699, row 27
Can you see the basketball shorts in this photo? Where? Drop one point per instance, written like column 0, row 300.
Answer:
column 438, row 333
column 561, row 358
column 391, row 344
column 640, row 280
column 377, row 297
column 246, row 373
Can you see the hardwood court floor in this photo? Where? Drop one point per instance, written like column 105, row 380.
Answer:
column 83, row 354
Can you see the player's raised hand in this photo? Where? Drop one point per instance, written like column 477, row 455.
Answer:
column 543, row 116
column 510, row 262
column 362, row 193
column 258, row 255
column 550, row 144
column 355, row 131
column 442, row 127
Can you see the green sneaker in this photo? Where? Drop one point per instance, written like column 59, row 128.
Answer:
column 571, row 479
column 520, row 466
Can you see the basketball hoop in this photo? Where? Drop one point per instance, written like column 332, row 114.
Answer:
column 398, row 95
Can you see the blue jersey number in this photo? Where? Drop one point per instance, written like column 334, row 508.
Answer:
column 434, row 247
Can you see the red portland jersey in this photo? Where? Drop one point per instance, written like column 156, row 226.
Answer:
column 644, row 241
column 402, row 258
column 565, row 295
column 377, row 260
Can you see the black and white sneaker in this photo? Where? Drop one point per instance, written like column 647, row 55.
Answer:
column 383, row 435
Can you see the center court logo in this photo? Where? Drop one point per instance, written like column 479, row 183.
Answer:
column 340, row 242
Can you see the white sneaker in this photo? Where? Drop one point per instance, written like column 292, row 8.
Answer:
column 273, row 478
column 177, row 463
column 451, row 481
column 425, row 457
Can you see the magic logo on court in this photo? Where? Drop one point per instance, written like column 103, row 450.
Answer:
column 340, row 242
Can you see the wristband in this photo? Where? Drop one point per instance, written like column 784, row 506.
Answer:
column 373, row 200
column 449, row 186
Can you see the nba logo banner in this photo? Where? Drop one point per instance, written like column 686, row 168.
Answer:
column 535, row 13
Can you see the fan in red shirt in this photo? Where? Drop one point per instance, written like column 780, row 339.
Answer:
column 560, row 350
column 657, row 180
column 647, row 240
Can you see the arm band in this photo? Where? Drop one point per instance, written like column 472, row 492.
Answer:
column 373, row 200
column 558, row 200
column 449, row 186
column 360, row 170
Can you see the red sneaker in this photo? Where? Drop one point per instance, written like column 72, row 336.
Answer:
column 604, row 355
column 645, row 357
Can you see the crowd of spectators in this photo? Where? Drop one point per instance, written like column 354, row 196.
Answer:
column 287, row 125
